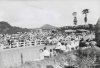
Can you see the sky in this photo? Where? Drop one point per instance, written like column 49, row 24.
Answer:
column 36, row 13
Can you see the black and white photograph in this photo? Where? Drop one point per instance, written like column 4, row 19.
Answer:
column 49, row 33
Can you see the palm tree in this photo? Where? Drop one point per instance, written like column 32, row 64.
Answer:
column 85, row 11
column 75, row 18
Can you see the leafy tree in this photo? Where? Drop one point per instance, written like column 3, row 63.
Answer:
column 75, row 18
column 85, row 11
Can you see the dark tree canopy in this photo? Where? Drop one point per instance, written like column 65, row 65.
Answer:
column 85, row 11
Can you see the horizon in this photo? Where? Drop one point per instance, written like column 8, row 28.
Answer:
column 45, row 25
column 36, row 13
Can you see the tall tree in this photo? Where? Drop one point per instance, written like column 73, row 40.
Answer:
column 75, row 18
column 85, row 11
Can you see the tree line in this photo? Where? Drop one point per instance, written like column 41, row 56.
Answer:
column 90, row 27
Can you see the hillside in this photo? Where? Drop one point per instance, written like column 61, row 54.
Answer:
column 47, row 26
column 6, row 28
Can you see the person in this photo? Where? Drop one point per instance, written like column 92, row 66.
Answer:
column 58, row 46
column 63, row 47
column 87, row 42
column 81, row 43
column 54, row 52
column 51, row 53
column 69, row 47
column 59, row 43
column 76, row 44
column 72, row 44
column 41, row 57
column 46, row 53
column 9, row 42
column 1, row 46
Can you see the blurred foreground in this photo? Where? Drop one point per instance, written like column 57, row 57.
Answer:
column 85, row 58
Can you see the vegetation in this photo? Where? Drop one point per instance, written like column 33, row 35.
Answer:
column 89, row 58
column 75, row 18
column 6, row 28
column 90, row 27
column 85, row 11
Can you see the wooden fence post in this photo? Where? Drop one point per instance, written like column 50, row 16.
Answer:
column 21, row 58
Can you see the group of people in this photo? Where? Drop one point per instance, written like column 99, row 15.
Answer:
column 59, row 48
column 46, row 53
column 70, row 41
column 16, row 40
column 73, row 43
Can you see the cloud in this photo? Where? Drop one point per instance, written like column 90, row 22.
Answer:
column 32, row 14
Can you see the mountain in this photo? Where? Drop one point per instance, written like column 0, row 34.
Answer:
column 47, row 26
column 6, row 28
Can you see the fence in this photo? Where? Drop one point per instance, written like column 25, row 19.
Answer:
column 22, row 44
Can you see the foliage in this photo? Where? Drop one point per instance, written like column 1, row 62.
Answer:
column 6, row 28
column 88, row 57
column 75, row 18
column 90, row 27
column 85, row 11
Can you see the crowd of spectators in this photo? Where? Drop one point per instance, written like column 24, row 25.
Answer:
column 71, row 40
column 67, row 42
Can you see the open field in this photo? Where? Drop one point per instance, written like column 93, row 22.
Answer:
column 12, row 57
